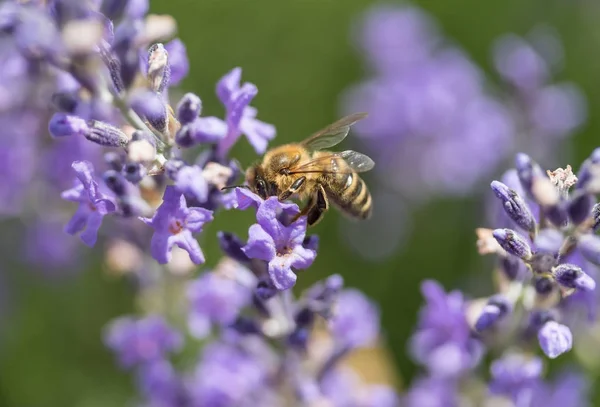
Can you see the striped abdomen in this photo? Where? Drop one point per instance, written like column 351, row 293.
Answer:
column 349, row 192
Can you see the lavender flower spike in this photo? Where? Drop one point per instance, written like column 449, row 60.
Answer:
column 174, row 223
column 93, row 205
column 513, row 243
column 514, row 206
column 571, row 276
column 280, row 245
column 555, row 339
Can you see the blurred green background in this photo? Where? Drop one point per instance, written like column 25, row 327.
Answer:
column 299, row 54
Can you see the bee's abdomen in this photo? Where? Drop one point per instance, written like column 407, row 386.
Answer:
column 352, row 195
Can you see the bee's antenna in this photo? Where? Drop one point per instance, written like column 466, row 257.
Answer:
column 235, row 186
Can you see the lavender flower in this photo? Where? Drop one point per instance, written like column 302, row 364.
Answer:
column 279, row 245
column 355, row 322
column 216, row 298
column 241, row 118
column 555, row 339
column 174, row 223
column 144, row 340
column 93, row 205
column 443, row 342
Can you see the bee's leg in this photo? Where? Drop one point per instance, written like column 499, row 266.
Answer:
column 295, row 187
column 316, row 206
column 321, row 205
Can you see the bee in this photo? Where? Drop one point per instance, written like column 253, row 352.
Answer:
column 303, row 171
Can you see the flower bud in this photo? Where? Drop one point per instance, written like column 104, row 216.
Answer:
column 64, row 125
column 106, row 135
column 555, row 339
column 513, row 243
column 571, row 276
column 596, row 216
column 515, row 206
column 189, row 108
column 527, row 170
column 232, row 245
column 134, row 172
column 159, row 71
column 589, row 246
column 496, row 308
column 115, row 182
column 580, row 207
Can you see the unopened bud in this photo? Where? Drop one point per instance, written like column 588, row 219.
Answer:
column 106, row 135
column 159, row 71
column 514, row 206
column 513, row 243
column 189, row 108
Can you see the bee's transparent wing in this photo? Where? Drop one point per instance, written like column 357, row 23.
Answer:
column 332, row 134
column 328, row 163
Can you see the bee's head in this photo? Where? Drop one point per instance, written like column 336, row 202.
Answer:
column 257, row 183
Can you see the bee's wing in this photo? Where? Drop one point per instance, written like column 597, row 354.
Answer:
column 328, row 164
column 332, row 134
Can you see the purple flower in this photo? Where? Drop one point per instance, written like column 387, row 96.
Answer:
column 514, row 206
column 279, row 245
column 355, row 320
column 555, row 339
column 240, row 117
column 93, row 205
column 519, row 64
column 215, row 298
column 515, row 376
column 513, row 243
column 137, row 341
column 443, row 341
column 174, row 223
column 190, row 181
column 432, row 392
column 227, row 377
column 496, row 308
column 160, row 384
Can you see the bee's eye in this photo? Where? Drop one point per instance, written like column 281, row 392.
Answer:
column 261, row 189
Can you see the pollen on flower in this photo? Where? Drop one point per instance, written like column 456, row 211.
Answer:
column 176, row 227
column 563, row 179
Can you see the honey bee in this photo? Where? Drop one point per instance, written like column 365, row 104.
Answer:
column 303, row 171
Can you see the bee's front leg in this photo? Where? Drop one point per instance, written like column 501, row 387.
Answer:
column 315, row 208
column 295, row 187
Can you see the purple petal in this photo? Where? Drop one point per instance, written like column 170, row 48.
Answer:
column 302, row 258
column 160, row 247
column 173, row 197
column 281, row 273
column 258, row 133
column 199, row 325
column 78, row 221
column 178, row 60
column 85, row 173
column 76, row 194
column 186, row 241
column 90, row 234
column 266, row 217
column 240, row 100
column 260, row 244
column 228, row 84
column 208, row 129
column 190, row 181
column 196, row 218
column 246, row 198
column 104, row 206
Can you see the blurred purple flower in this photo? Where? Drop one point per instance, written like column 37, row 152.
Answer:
column 227, row 377
column 174, row 223
column 515, row 376
column 93, row 205
column 215, row 299
column 279, row 245
column 555, row 339
column 432, row 392
column 443, row 341
column 355, row 320
column 160, row 384
column 137, row 341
